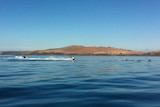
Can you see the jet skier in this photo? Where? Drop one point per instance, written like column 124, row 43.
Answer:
column 72, row 57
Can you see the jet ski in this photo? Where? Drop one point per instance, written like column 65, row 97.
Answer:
column 20, row 57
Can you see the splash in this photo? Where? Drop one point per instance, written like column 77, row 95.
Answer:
column 43, row 59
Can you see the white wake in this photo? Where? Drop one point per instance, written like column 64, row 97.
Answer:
column 43, row 59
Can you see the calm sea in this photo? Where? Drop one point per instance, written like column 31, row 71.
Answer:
column 89, row 81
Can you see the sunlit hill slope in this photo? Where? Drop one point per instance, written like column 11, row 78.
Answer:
column 82, row 50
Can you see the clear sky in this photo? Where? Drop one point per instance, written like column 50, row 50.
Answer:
column 45, row 24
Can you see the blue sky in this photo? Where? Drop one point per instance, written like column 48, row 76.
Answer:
column 45, row 24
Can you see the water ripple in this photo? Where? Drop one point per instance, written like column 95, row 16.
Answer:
column 88, row 81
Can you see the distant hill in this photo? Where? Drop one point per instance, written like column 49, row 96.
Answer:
column 82, row 50
column 155, row 53
column 12, row 52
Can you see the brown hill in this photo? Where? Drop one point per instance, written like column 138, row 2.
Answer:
column 82, row 50
column 155, row 53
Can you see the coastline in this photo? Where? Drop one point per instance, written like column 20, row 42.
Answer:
column 83, row 51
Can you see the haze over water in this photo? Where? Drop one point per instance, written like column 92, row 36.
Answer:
column 89, row 81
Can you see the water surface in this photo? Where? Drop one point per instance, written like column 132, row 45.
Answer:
column 89, row 81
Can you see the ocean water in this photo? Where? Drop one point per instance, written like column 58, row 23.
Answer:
column 89, row 81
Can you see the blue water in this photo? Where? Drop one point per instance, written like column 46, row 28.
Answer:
column 89, row 81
